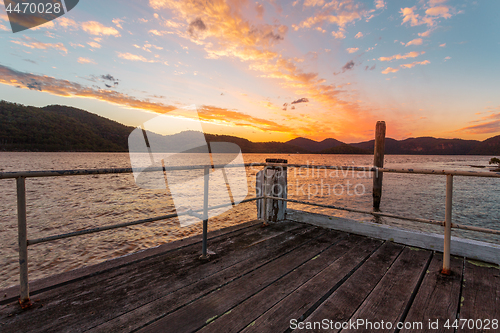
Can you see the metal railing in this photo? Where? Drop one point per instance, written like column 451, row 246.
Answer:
column 447, row 223
column 24, row 242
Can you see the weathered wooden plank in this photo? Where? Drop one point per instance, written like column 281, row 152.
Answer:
column 342, row 304
column 263, row 253
column 246, row 312
column 438, row 296
column 460, row 247
column 203, row 310
column 40, row 285
column 390, row 297
column 480, row 297
column 304, row 299
column 102, row 297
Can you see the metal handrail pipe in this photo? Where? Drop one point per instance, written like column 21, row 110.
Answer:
column 79, row 172
column 391, row 170
column 55, row 173
column 441, row 172
column 414, row 219
column 126, row 224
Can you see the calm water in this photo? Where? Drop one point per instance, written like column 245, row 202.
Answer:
column 64, row 204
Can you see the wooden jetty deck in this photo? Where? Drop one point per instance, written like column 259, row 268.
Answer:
column 258, row 281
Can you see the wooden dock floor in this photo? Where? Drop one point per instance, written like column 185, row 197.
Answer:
column 263, row 279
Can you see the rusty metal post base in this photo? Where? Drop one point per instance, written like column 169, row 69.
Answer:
column 25, row 304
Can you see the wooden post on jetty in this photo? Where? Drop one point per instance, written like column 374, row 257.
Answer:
column 274, row 184
column 378, row 161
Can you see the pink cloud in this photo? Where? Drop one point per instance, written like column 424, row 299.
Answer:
column 96, row 28
column 390, row 70
column 412, row 54
column 416, row 41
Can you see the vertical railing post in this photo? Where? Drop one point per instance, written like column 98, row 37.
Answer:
column 264, row 194
column 447, row 227
column 206, row 176
column 378, row 161
column 24, row 297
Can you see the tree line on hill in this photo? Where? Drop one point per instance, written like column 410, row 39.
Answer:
column 64, row 128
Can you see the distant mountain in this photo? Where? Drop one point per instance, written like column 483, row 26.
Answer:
column 424, row 146
column 314, row 146
column 346, row 149
column 489, row 146
column 64, row 128
column 390, row 145
column 58, row 128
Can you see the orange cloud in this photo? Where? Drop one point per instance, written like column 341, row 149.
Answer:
column 133, row 57
column 95, row 45
column 340, row 13
column 118, row 23
column 379, row 4
column 313, row 3
column 492, row 125
column 431, row 14
column 425, row 33
column 67, row 23
column 82, row 60
column 352, row 49
column 35, row 44
column 390, row 70
column 160, row 33
column 338, row 34
column 223, row 31
column 413, row 64
column 416, row 41
column 441, row 11
column 96, row 28
column 65, row 88
column 412, row 54
column 233, row 118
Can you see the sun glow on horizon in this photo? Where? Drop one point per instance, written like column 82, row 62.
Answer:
column 269, row 71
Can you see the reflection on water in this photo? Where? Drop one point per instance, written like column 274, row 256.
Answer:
column 64, row 204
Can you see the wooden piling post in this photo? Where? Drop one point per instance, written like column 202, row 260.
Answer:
column 378, row 161
column 272, row 182
column 278, row 189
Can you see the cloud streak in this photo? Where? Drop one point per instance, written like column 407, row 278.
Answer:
column 98, row 29
column 65, row 88
column 412, row 54
column 489, row 124
column 35, row 44
column 411, row 65
column 228, row 34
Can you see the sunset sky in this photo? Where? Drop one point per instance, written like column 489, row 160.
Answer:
column 269, row 71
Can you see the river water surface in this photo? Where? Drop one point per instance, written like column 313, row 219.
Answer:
column 58, row 205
